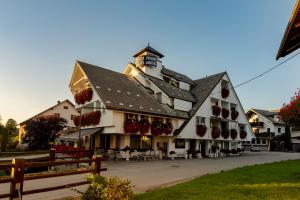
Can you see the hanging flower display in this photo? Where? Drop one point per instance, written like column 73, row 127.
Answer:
column 243, row 134
column 201, row 130
column 88, row 119
column 216, row 110
column 215, row 133
column 234, row 114
column 84, row 96
column 225, row 92
column 225, row 113
column 225, row 133
column 157, row 127
column 144, row 126
column 233, row 133
column 131, row 126
column 168, row 128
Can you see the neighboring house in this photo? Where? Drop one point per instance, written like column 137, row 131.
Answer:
column 291, row 40
column 183, row 113
column 266, row 125
column 64, row 109
column 295, row 135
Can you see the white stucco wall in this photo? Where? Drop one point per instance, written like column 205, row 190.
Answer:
column 189, row 132
column 152, row 71
column 64, row 113
column 182, row 105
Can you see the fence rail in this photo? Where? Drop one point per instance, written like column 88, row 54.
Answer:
column 18, row 176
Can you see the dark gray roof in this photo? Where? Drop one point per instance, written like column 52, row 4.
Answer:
column 173, row 91
column 177, row 76
column 203, row 88
column 149, row 49
column 201, row 91
column 268, row 115
column 121, row 92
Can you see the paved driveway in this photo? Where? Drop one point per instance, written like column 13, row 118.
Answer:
column 147, row 175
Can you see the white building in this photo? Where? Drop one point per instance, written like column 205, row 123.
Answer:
column 179, row 110
column 266, row 125
column 64, row 109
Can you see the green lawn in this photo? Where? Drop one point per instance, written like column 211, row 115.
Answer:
column 274, row 181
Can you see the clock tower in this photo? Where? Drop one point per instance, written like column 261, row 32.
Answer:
column 148, row 60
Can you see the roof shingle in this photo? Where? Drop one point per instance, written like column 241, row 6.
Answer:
column 177, row 76
column 268, row 115
column 173, row 91
column 121, row 92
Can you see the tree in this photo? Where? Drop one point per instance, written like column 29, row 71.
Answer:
column 41, row 131
column 290, row 113
column 287, row 138
column 11, row 126
column 3, row 137
column 12, row 131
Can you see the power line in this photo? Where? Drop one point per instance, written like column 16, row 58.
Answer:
column 261, row 74
column 267, row 71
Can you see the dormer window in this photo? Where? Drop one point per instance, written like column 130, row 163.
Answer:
column 166, row 79
column 175, row 83
column 158, row 97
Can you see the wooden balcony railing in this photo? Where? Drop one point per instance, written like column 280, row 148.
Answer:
column 257, row 124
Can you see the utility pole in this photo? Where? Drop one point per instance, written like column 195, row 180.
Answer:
column 79, row 132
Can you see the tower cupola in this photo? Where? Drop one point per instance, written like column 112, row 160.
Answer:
column 147, row 57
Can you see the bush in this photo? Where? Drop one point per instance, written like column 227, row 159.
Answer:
column 112, row 188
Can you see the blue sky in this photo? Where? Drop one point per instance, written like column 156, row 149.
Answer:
column 40, row 41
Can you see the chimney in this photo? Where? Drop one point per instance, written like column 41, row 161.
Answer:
column 58, row 102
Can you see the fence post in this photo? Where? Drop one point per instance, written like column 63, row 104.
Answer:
column 17, row 174
column 97, row 161
column 52, row 154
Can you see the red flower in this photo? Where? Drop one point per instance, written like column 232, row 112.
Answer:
column 88, row 119
column 216, row 110
column 233, row 133
column 291, row 112
column 144, row 126
column 225, row 113
column 157, row 127
column 84, row 96
column 131, row 126
column 76, row 120
column 225, row 133
column 168, row 128
column 215, row 133
column 201, row 130
column 234, row 114
column 243, row 134
column 225, row 92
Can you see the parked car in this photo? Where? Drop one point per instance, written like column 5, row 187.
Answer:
column 255, row 148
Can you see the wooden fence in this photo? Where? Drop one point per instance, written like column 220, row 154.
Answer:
column 18, row 166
